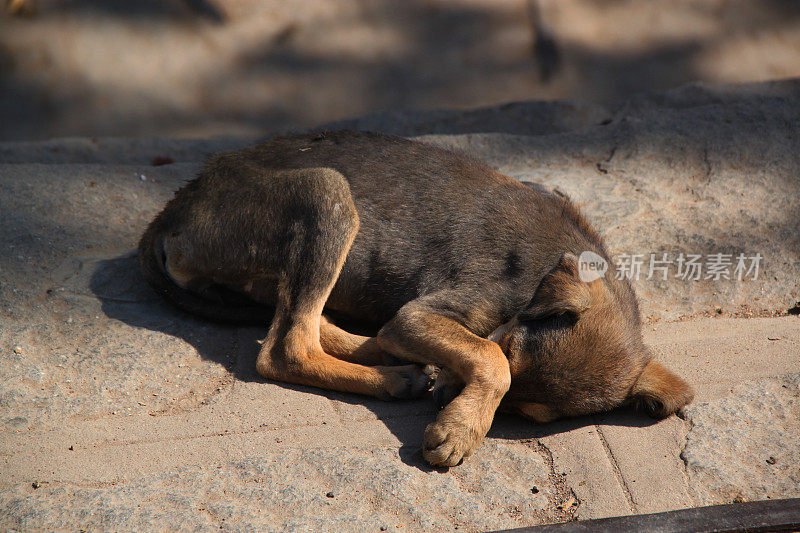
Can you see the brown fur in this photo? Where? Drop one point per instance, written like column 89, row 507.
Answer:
column 659, row 392
column 433, row 248
column 538, row 412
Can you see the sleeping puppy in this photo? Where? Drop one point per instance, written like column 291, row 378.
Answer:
column 455, row 264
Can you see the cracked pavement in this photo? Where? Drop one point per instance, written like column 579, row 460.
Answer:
column 118, row 412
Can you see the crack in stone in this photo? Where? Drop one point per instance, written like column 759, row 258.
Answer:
column 564, row 495
column 617, row 472
column 602, row 166
column 688, row 424
column 707, row 177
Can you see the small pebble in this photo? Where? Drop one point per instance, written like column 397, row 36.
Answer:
column 771, row 460
column 71, row 448
column 738, row 499
column 36, row 484
column 535, row 490
column 18, row 349
column 329, row 495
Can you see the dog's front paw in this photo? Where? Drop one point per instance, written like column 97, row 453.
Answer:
column 447, row 443
column 408, row 381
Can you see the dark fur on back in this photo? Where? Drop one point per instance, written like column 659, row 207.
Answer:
column 430, row 219
column 433, row 219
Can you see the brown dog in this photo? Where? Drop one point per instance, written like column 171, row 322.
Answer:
column 458, row 265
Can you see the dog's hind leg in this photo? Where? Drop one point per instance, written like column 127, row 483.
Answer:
column 349, row 346
column 324, row 224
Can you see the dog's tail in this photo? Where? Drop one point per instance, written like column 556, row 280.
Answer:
column 216, row 303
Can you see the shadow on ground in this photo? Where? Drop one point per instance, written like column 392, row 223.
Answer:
column 196, row 66
column 118, row 283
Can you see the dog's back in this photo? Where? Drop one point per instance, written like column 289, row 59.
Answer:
column 432, row 218
column 429, row 219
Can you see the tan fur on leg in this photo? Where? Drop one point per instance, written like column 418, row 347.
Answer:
column 428, row 337
column 297, row 357
column 348, row 346
column 538, row 412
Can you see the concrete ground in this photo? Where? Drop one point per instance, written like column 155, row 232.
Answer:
column 118, row 412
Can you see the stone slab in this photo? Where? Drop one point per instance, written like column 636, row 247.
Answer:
column 579, row 453
column 647, row 455
column 255, row 486
column 745, row 445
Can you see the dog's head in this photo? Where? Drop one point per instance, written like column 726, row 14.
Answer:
column 578, row 349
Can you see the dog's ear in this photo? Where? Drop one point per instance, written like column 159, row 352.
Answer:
column 561, row 291
column 659, row 392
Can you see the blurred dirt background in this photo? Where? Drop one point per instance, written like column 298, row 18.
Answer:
column 222, row 67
